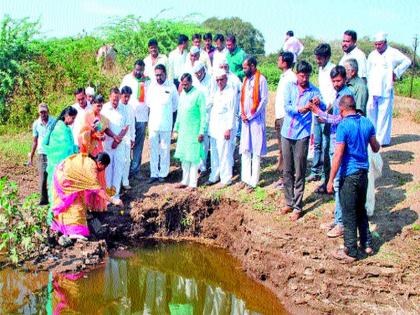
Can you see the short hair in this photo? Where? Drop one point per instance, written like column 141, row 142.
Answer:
column 195, row 36
column 219, row 37
column 98, row 99
column 251, row 60
column 208, row 36
column 139, row 62
column 161, row 67
column 323, row 50
column 186, row 76
column 231, row 38
column 347, row 101
column 104, row 158
column 352, row 34
column 152, row 42
column 182, row 38
column 79, row 90
column 126, row 90
column 287, row 57
column 338, row 71
column 114, row 90
column 303, row 67
column 290, row 33
column 353, row 64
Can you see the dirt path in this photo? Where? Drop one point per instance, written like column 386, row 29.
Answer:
column 292, row 259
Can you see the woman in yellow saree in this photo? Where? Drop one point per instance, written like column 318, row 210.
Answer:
column 75, row 182
column 91, row 139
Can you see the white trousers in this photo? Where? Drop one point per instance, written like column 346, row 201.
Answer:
column 114, row 171
column 250, row 168
column 189, row 174
column 221, row 160
column 160, row 148
column 126, row 166
column 206, row 147
column 379, row 111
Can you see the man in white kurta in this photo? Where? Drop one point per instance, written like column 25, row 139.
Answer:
column 177, row 59
column 153, row 59
column 114, row 146
column 385, row 65
column 203, row 81
column 130, row 136
column 220, row 52
column 162, row 100
column 351, row 51
column 204, row 56
column 221, row 130
column 82, row 106
column 293, row 45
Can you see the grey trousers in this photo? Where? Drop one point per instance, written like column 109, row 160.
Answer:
column 42, row 171
column 295, row 155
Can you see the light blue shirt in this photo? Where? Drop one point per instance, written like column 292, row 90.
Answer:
column 39, row 130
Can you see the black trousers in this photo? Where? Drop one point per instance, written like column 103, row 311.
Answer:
column 42, row 171
column 353, row 189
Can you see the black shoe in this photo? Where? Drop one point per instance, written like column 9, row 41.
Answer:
column 161, row 179
column 43, row 203
column 152, row 180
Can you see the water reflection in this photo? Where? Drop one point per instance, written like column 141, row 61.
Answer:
column 159, row 279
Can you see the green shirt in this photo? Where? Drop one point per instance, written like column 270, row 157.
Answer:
column 235, row 60
column 360, row 92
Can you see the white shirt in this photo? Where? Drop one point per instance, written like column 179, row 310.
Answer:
column 222, row 115
column 162, row 101
column 360, row 56
column 118, row 120
column 381, row 67
column 176, row 62
column 149, row 67
column 293, row 45
column 187, row 68
column 285, row 78
column 131, row 121
column 218, row 57
column 140, row 110
column 205, row 59
column 207, row 87
column 79, row 120
column 325, row 84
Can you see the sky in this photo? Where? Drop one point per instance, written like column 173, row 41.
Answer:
column 322, row 19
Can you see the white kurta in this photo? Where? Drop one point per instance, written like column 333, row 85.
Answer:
column 79, row 120
column 118, row 120
column 381, row 68
column 222, row 119
column 325, row 84
column 141, row 111
column 149, row 66
column 285, row 78
column 176, row 62
column 129, row 137
column 293, row 45
column 162, row 101
column 360, row 56
column 218, row 57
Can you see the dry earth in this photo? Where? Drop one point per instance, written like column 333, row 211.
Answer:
column 292, row 259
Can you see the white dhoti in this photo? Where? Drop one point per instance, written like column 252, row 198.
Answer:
column 160, row 146
column 221, row 160
column 114, row 171
column 189, row 174
column 126, row 166
column 250, row 168
column 379, row 112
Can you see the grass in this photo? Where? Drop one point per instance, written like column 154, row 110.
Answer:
column 15, row 146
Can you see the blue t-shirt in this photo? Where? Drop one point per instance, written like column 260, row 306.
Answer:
column 355, row 132
column 39, row 130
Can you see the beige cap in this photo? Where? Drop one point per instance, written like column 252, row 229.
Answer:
column 42, row 107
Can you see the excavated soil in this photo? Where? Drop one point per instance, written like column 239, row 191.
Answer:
column 292, row 259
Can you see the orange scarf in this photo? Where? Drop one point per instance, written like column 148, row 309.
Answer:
column 255, row 94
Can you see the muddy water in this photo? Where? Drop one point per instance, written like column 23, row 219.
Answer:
column 159, row 278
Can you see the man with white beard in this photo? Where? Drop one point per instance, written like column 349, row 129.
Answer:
column 221, row 130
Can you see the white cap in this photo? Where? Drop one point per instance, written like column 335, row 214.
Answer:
column 223, row 61
column 198, row 66
column 194, row 50
column 219, row 72
column 381, row 37
column 90, row 91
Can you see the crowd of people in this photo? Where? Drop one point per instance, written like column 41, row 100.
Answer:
column 210, row 100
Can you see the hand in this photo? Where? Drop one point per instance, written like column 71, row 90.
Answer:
column 316, row 101
column 244, row 118
column 29, row 163
column 200, row 138
column 117, row 139
column 114, row 145
column 303, row 109
column 227, row 135
column 175, row 135
column 117, row 202
column 330, row 187
column 132, row 145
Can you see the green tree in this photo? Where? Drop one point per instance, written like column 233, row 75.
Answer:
column 248, row 37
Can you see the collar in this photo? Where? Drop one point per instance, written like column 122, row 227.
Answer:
column 353, row 48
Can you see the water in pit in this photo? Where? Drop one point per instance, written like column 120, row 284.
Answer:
column 159, row 278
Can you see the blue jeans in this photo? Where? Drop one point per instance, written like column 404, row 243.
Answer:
column 321, row 161
column 338, row 212
column 138, row 147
